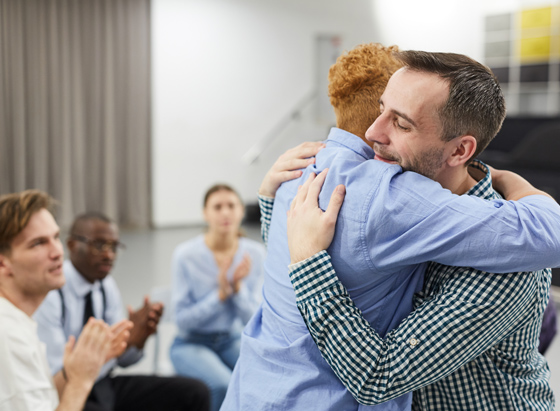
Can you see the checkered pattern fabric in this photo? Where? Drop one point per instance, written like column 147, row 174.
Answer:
column 265, row 204
column 470, row 344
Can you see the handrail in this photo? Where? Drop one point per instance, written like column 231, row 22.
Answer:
column 253, row 154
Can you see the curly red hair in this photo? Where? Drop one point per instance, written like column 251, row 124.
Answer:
column 356, row 82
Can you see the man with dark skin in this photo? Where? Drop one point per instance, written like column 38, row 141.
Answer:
column 90, row 291
column 96, row 266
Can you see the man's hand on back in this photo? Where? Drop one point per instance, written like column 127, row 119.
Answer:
column 311, row 229
column 512, row 186
column 288, row 166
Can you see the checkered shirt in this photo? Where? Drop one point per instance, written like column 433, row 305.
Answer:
column 265, row 204
column 470, row 344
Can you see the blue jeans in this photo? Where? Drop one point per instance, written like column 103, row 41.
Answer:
column 208, row 357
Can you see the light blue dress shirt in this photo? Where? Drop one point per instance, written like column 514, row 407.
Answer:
column 195, row 288
column 54, row 330
column 390, row 224
column 471, row 342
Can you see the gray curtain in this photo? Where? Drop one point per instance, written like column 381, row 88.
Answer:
column 75, row 104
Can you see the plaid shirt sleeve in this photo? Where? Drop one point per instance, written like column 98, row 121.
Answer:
column 472, row 313
column 265, row 205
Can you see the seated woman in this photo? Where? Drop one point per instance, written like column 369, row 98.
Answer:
column 217, row 285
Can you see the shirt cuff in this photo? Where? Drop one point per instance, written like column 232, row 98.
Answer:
column 312, row 276
column 266, row 204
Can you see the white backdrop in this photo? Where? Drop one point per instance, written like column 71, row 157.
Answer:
column 224, row 72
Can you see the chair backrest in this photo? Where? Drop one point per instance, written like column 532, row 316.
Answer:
column 167, row 331
column 163, row 294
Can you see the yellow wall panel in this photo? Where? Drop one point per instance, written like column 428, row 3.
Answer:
column 555, row 46
column 536, row 18
column 534, row 49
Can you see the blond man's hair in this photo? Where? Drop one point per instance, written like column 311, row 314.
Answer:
column 357, row 81
column 16, row 209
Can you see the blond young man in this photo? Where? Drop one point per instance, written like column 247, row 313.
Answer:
column 30, row 266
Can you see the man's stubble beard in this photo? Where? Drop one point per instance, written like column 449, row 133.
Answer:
column 428, row 165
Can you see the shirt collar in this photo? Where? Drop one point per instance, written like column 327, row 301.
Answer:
column 76, row 281
column 351, row 141
column 483, row 188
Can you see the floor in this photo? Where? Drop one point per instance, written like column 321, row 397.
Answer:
column 145, row 268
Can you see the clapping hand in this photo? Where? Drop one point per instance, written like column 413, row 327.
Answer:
column 145, row 320
column 226, row 287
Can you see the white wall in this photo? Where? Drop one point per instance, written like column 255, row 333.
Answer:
column 224, row 73
column 442, row 25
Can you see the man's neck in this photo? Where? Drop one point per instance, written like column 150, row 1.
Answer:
column 26, row 303
column 458, row 181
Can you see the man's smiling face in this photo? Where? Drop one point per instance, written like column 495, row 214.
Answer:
column 408, row 131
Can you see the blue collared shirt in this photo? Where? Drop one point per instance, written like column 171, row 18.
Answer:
column 390, row 224
column 195, row 288
column 470, row 344
column 56, row 324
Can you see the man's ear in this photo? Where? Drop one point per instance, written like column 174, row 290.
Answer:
column 5, row 266
column 464, row 148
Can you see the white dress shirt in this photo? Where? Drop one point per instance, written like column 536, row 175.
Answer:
column 25, row 379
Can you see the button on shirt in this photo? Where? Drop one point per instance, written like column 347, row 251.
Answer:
column 389, row 225
column 56, row 323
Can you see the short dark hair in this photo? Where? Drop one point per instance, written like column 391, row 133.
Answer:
column 16, row 209
column 219, row 187
column 223, row 187
column 476, row 104
column 88, row 216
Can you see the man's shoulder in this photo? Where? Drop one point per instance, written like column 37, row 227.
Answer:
column 27, row 385
column 14, row 335
column 441, row 270
column 344, row 167
column 11, row 317
column 52, row 304
column 477, row 285
column 363, row 177
column 10, row 327
column 111, row 288
column 15, row 331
